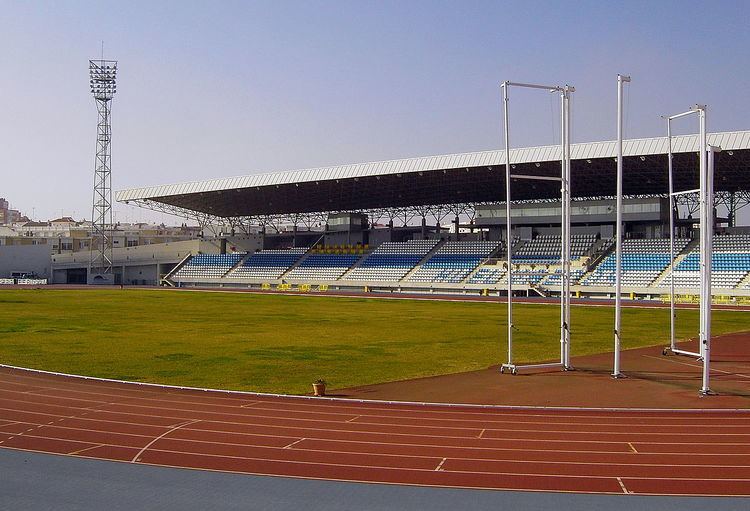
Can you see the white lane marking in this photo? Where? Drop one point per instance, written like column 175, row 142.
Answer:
column 635, row 451
column 423, row 456
column 440, row 465
column 481, row 433
column 415, row 426
column 390, row 467
column 622, row 485
column 293, row 443
column 79, row 451
column 246, row 405
column 353, row 418
column 302, row 399
column 697, row 366
column 330, row 409
column 392, row 434
column 152, row 442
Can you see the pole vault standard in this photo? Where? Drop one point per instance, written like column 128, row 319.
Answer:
column 621, row 80
column 564, row 179
column 706, row 202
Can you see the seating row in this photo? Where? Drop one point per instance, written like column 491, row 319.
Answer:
column 391, row 261
column 208, row 266
column 454, row 261
column 267, row 264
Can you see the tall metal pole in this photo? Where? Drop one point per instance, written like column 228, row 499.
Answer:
column 706, row 270
column 706, row 230
column 706, row 235
column 102, row 74
column 566, row 241
column 672, row 310
column 621, row 80
column 563, row 172
column 508, row 241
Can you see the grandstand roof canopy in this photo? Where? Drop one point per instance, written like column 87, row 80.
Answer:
column 456, row 178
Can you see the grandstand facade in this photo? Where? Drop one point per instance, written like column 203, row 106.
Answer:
column 438, row 223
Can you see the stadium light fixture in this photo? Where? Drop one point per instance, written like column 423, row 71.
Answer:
column 103, row 79
column 103, row 86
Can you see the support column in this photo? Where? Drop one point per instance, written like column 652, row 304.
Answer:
column 621, row 80
column 455, row 227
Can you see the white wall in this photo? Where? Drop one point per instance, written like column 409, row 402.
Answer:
column 26, row 258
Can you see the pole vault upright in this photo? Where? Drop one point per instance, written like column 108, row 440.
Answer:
column 564, row 179
column 705, row 193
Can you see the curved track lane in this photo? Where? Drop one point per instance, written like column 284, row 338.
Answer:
column 659, row 452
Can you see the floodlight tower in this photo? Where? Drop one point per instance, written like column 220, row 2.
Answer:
column 102, row 74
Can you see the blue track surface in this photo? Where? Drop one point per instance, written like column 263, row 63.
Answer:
column 44, row 481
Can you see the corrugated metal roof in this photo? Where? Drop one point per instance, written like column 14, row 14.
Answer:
column 591, row 150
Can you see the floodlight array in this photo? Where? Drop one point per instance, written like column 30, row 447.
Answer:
column 103, row 75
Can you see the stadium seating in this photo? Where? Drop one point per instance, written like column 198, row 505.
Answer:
column 322, row 266
column 391, row 261
column 525, row 277
column 730, row 263
column 642, row 262
column 208, row 266
column 488, row 275
column 454, row 261
column 267, row 264
column 546, row 248
column 556, row 278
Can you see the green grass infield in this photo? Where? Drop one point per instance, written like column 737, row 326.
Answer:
column 277, row 343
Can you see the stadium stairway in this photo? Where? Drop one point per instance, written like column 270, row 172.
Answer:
column 239, row 263
column 423, row 260
column 355, row 265
column 600, row 251
column 744, row 283
column 677, row 260
column 497, row 254
column 167, row 279
column 299, row 261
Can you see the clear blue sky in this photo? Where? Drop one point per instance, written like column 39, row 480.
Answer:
column 216, row 89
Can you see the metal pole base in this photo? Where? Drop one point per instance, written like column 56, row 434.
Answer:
column 515, row 368
column 509, row 367
column 618, row 376
column 707, row 392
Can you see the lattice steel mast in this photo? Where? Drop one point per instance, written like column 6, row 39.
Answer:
column 103, row 74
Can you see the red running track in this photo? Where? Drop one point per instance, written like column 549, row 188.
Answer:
column 694, row 452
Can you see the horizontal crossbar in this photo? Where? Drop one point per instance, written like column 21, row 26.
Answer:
column 534, row 86
column 689, row 353
column 538, row 366
column 685, row 192
column 535, row 178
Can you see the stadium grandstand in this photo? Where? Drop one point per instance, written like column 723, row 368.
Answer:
column 438, row 223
